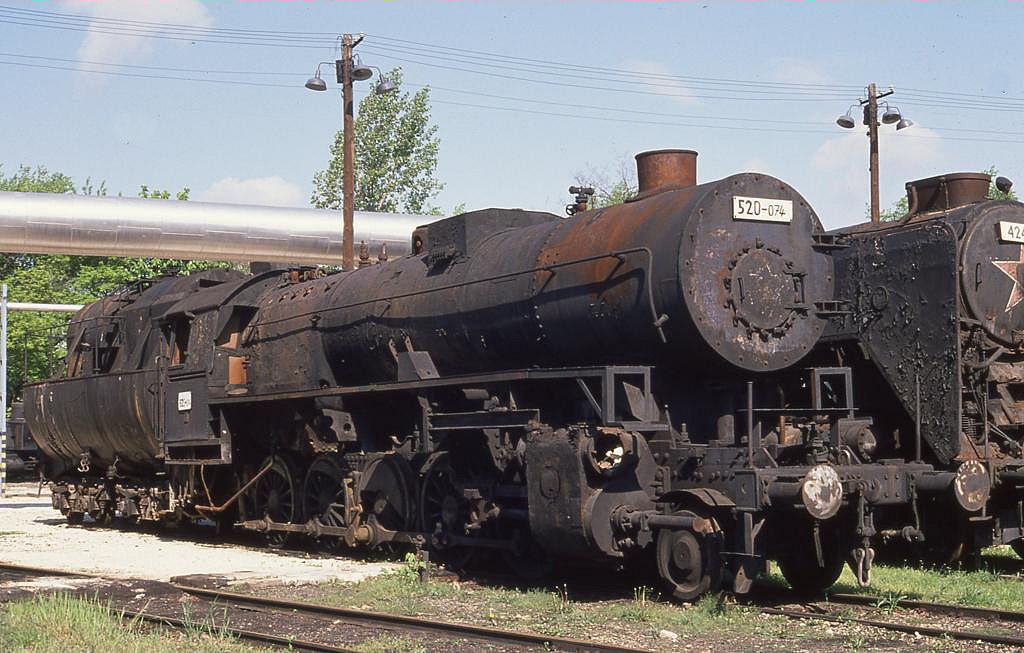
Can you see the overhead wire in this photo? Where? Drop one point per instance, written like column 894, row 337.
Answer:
column 449, row 102
column 305, row 39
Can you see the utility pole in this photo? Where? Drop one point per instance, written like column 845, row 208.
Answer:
column 891, row 115
column 347, row 72
column 3, row 388
column 344, row 71
column 871, row 120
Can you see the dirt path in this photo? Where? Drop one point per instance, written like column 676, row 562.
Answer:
column 32, row 533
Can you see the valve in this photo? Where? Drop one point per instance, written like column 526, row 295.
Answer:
column 583, row 195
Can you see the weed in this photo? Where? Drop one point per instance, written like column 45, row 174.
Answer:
column 61, row 622
column 641, row 609
column 890, row 602
column 390, row 644
column 856, row 642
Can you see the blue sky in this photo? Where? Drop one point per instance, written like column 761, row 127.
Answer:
column 794, row 67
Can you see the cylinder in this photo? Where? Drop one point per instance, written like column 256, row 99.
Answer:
column 659, row 170
column 46, row 223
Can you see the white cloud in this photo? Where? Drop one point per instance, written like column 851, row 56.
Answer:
column 677, row 91
column 265, row 191
column 99, row 45
column 796, row 70
column 839, row 170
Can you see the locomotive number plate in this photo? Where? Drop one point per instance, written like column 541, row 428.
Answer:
column 760, row 208
column 1011, row 232
column 184, row 401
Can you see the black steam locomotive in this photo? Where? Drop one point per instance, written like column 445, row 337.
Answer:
column 665, row 380
column 932, row 324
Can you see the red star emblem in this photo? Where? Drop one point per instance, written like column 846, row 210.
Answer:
column 1012, row 270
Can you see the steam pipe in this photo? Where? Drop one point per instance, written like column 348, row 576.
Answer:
column 45, row 223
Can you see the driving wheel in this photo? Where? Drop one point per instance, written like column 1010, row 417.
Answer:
column 328, row 496
column 275, row 496
column 443, row 511
column 689, row 563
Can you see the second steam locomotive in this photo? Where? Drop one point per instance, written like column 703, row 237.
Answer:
column 668, row 380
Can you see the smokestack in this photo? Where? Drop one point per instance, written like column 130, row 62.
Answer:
column 661, row 170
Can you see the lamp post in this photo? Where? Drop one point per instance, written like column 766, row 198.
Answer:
column 891, row 115
column 346, row 73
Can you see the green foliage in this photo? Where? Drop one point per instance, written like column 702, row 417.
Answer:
column 396, row 155
column 146, row 193
column 611, row 187
column 38, row 180
column 36, row 340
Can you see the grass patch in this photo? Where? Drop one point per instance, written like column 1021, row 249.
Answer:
column 390, row 644
column 60, row 623
column 634, row 620
column 984, row 587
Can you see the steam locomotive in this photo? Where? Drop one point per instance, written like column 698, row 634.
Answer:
column 668, row 382
column 933, row 324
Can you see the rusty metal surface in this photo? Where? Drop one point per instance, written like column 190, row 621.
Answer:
column 902, row 286
column 648, row 281
column 949, row 191
column 659, row 170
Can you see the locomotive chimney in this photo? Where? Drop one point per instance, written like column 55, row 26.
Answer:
column 660, row 170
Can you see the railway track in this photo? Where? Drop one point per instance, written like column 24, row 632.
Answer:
column 224, row 608
column 410, row 624
column 992, row 616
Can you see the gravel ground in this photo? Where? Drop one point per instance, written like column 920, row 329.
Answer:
column 32, row 533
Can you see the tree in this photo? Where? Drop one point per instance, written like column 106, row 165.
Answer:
column 900, row 208
column 396, row 155
column 610, row 186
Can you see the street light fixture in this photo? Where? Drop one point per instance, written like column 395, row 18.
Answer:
column 361, row 73
column 315, row 83
column 845, row 121
column 891, row 115
column 349, row 69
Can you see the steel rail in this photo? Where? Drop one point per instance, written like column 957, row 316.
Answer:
column 249, row 635
column 44, row 571
column 413, row 623
column 931, row 631
column 128, row 615
column 928, row 606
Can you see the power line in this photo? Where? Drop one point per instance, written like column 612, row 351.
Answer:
column 144, row 67
column 830, row 95
column 306, row 39
column 787, row 98
column 146, row 76
column 435, row 88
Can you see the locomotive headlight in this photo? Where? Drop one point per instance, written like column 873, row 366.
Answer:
column 972, row 485
column 822, row 491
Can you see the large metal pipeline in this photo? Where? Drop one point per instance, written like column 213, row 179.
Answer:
column 44, row 223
